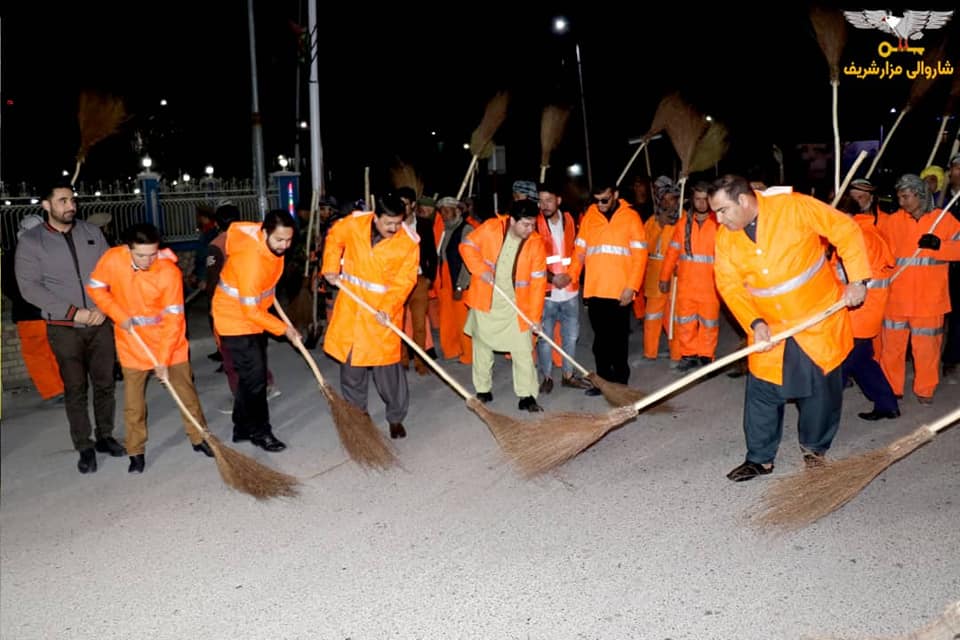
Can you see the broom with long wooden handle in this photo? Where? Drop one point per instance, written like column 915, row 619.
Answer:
column 673, row 307
column 944, row 119
column 615, row 393
column 99, row 116
column 831, row 31
column 539, row 450
column 238, row 471
column 795, row 501
column 504, row 429
column 642, row 146
column 552, row 125
column 362, row 440
column 481, row 141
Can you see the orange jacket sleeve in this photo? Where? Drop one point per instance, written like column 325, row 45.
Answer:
column 404, row 280
column 173, row 321
column 333, row 247
column 249, row 284
column 638, row 253
column 672, row 253
column 538, row 280
column 470, row 252
column 843, row 233
column 98, row 286
column 730, row 283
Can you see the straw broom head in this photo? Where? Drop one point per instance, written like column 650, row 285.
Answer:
column 243, row 473
column 921, row 85
column 710, row 148
column 536, row 446
column 99, row 116
column 404, row 175
column 684, row 124
column 831, row 29
column 552, row 125
column 363, row 441
column 493, row 117
column 796, row 501
column 621, row 395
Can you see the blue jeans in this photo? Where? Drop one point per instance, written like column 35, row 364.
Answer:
column 568, row 314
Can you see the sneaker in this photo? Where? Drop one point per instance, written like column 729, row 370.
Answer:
column 546, row 386
column 272, row 392
column 485, row 397
column 529, row 404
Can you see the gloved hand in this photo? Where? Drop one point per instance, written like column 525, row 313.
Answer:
column 929, row 241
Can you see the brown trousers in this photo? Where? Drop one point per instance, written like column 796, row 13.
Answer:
column 135, row 405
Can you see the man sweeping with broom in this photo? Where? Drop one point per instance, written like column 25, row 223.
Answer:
column 772, row 272
column 240, row 317
column 376, row 256
column 506, row 252
column 137, row 285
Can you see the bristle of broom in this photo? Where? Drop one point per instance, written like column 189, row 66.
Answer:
column 796, row 501
column 493, row 116
column 98, row 117
column 621, row 395
column 552, row 125
column 831, row 30
column 360, row 437
column 683, row 124
column 246, row 475
column 538, row 445
column 711, row 148
column 404, row 175
column 921, row 85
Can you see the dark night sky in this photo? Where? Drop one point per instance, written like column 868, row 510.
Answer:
column 391, row 76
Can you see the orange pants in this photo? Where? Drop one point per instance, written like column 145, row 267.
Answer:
column 39, row 359
column 696, row 328
column 655, row 320
column 639, row 306
column 416, row 319
column 925, row 336
column 453, row 316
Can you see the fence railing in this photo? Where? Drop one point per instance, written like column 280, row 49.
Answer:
column 177, row 211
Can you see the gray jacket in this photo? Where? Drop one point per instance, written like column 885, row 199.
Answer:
column 53, row 277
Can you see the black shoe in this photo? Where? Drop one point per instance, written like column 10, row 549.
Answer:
column 111, row 446
column 267, row 442
column 546, row 386
column 593, row 391
column 688, row 364
column 736, row 374
column 137, row 463
column 879, row 415
column 432, row 352
column 216, row 356
column 748, row 471
column 529, row 404
column 485, row 397
column 397, row 430
column 704, row 361
column 204, row 448
column 239, row 436
column 88, row 461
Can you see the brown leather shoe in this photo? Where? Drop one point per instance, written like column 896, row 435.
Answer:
column 546, row 386
column 748, row 471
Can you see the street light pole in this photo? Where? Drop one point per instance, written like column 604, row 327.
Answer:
column 583, row 110
column 258, row 171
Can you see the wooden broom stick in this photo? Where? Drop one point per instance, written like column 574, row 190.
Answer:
column 673, row 306
column 410, row 343
column 542, row 335
column 366, row 188
column 886, row 141
column 736, row 355
column 936, row 143
column 466, row 178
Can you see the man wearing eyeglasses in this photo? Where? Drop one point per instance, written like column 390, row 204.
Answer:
column 612, row 245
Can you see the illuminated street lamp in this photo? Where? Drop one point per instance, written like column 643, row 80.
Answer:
column 560, row 27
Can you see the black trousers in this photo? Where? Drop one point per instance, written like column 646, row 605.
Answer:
column 251, row 417
column 611, row 338
column 81, row 354
column 861, row 366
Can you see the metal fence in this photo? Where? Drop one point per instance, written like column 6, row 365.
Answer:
column 178, row 211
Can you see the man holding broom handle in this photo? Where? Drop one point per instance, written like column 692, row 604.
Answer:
column 138, row 286
column 772, row 273
column 376, row 255
column 506, row 252
column 244, row 294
